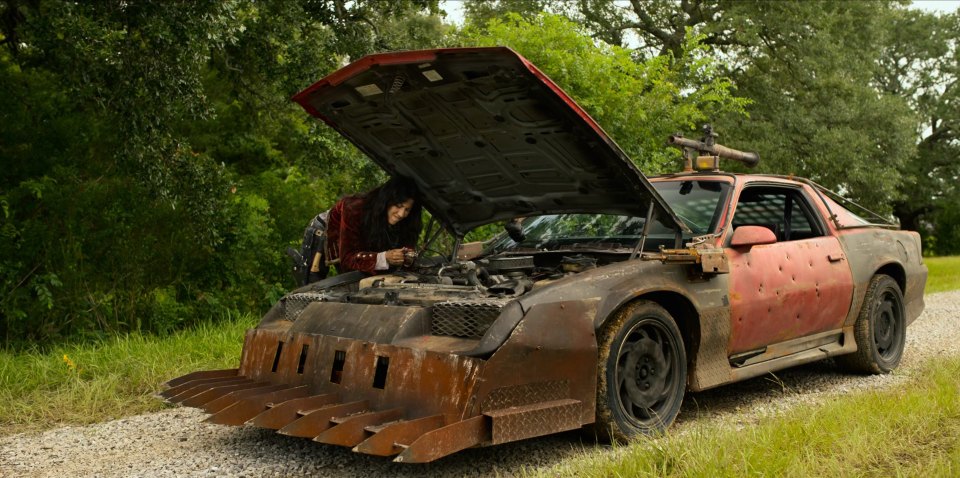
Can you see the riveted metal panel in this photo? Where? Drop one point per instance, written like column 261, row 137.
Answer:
column 528, row 421
column 526, row 394
column 710, row 365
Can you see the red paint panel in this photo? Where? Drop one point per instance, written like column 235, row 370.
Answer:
column 787, row 290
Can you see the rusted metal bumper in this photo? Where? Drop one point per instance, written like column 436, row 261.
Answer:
column 389, row 400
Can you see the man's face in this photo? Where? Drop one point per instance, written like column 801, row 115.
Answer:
column 399, row 212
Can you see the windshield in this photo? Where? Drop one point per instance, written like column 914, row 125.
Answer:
column 697, row 203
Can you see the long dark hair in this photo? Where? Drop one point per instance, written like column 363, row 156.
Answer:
column 379, row 234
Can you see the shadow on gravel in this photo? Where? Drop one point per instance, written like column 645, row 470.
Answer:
column 297, row 456
column 763, row 391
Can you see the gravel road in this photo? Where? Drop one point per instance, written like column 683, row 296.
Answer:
column 175, row 442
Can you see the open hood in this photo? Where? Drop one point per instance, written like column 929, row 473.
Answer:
column 484, row 134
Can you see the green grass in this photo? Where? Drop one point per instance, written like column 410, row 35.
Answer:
column 80, row 384
column 911, row 431
column 944, row 273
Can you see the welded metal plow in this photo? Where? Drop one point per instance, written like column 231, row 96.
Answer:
column 388, row 400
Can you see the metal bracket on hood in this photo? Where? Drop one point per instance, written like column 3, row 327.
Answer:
column 643, row 236
column 651, row 214
column 712, row 260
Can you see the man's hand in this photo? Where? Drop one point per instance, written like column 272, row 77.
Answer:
column 394, row 257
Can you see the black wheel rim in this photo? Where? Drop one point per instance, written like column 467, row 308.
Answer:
column 646, row 373
column 888, row 326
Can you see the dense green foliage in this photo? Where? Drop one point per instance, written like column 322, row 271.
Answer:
column 639, row 103
column 921, row 63
column 154, row 168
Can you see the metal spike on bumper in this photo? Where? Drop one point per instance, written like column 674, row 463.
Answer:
column 351, row 430
column 197, row 396
column 393, row 438
column 316, row 421
column 182, row 392
column 235, row 396
column 200, row 375
column 355, row 407
column 447, row 440
column 283, row 414
column 243, row 410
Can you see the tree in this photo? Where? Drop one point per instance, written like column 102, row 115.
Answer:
column 807, row 69
column 153, row 163
column 815, row 110
column 921, row 63
column 649, row 27
column 638, row 103
column 480, row 12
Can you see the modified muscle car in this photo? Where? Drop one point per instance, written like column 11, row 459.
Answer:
column 617, row 294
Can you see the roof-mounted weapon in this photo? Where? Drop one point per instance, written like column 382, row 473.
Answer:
column 704, row 155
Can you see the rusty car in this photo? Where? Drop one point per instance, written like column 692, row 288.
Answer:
column 618, row 294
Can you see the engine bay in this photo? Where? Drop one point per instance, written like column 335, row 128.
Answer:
column 501, row 276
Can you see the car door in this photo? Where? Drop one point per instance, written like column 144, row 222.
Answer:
column 798, row 286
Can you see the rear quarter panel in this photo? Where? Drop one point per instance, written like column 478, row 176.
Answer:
column 872, row 250
column 896, row 253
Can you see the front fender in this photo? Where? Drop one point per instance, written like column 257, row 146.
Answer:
column 617, row 284
column 699, row 305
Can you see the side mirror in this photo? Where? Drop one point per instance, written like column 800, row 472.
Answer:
column 752, row 236
column 515, row 230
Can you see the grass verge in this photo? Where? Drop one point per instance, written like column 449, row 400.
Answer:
column 944, row 273
column 911, row 431
column 79, row 384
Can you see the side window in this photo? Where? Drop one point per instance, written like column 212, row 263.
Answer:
column 801, row 225
column 785, row 211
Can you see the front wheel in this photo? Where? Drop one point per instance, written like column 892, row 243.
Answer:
column 641, row 372
column 880, row 330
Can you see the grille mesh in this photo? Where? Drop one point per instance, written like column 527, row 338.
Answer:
column 294, row 304
column 466, row 319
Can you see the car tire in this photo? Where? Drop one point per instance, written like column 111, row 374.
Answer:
column 880, row 330
column 641, row 373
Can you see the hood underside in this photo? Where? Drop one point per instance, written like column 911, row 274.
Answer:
column 485, row 135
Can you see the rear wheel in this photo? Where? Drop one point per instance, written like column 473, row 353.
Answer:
column 880, row 330
column 641, row 373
